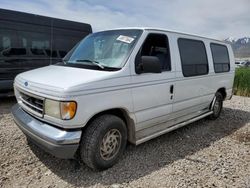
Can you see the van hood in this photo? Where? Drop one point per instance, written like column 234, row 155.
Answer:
column 53, row 79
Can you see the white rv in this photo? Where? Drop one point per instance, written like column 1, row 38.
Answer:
column 119, row 86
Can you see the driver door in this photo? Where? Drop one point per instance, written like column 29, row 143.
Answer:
column 153, row 92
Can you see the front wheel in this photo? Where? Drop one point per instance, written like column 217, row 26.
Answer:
column 103, row 142
column 217, row 107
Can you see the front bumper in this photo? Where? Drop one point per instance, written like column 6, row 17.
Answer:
column 58, row 142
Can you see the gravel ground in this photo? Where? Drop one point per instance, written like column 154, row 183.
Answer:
column 204, row 154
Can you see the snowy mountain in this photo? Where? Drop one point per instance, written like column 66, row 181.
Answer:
column 243, row 40
column 231, row 39
column 241, row 46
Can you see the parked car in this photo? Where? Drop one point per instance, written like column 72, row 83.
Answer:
column 29, row 41
column 247, row 64
column 239, row 64
column 119, row 86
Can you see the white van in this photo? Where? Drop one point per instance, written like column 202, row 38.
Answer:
column 119, row 86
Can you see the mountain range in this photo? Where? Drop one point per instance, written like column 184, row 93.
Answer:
column 241, row 46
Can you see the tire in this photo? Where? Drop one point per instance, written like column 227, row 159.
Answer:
column 218, row 105
column 103, row 142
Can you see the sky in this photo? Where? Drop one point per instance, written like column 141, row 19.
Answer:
column 218, row 19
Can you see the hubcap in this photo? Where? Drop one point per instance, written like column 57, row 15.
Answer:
column 110, row 144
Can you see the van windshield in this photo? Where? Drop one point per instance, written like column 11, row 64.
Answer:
column 107, row 50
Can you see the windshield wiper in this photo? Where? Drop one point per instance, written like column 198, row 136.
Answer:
column 91, row 61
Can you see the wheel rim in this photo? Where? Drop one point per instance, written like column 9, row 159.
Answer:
column 216, row 106
column 110, row 144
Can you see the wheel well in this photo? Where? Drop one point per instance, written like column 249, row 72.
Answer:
column 223, row 92
column 121, row 113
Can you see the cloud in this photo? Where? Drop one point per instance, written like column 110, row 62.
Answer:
column 213, row 18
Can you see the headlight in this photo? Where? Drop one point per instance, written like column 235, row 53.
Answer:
column 52, row 108
column 60, row 110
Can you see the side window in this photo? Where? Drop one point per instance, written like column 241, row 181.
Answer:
column 157, row 45
column 9, row 45
column 220, row 58
column 38, row 43
column 193, row 57
column 38, row 46
column 6, row 42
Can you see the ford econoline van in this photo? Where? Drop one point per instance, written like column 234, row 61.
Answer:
column 120, row 86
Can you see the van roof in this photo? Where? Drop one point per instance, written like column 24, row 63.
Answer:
column 171, row 31
column 34, row 19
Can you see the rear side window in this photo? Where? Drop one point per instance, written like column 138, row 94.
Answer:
column 193, row 57
column 220, row 58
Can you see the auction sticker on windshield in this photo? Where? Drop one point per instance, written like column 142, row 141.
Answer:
column 125, row 39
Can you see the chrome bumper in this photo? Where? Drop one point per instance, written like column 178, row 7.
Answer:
column 58, row 142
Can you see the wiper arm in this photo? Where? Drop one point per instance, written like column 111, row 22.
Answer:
column 91, row 61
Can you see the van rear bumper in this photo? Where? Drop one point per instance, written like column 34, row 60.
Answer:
column 60, row 143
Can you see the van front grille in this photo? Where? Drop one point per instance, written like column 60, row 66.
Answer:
column 33, row 103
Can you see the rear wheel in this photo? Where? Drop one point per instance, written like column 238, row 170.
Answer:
column 217, row 107
column 103, row 142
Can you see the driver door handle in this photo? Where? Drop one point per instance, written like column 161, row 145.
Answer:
column 171, row 89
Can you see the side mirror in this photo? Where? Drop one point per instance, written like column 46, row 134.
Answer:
column 149, row 64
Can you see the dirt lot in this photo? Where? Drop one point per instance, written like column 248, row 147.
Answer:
column 204, row 154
